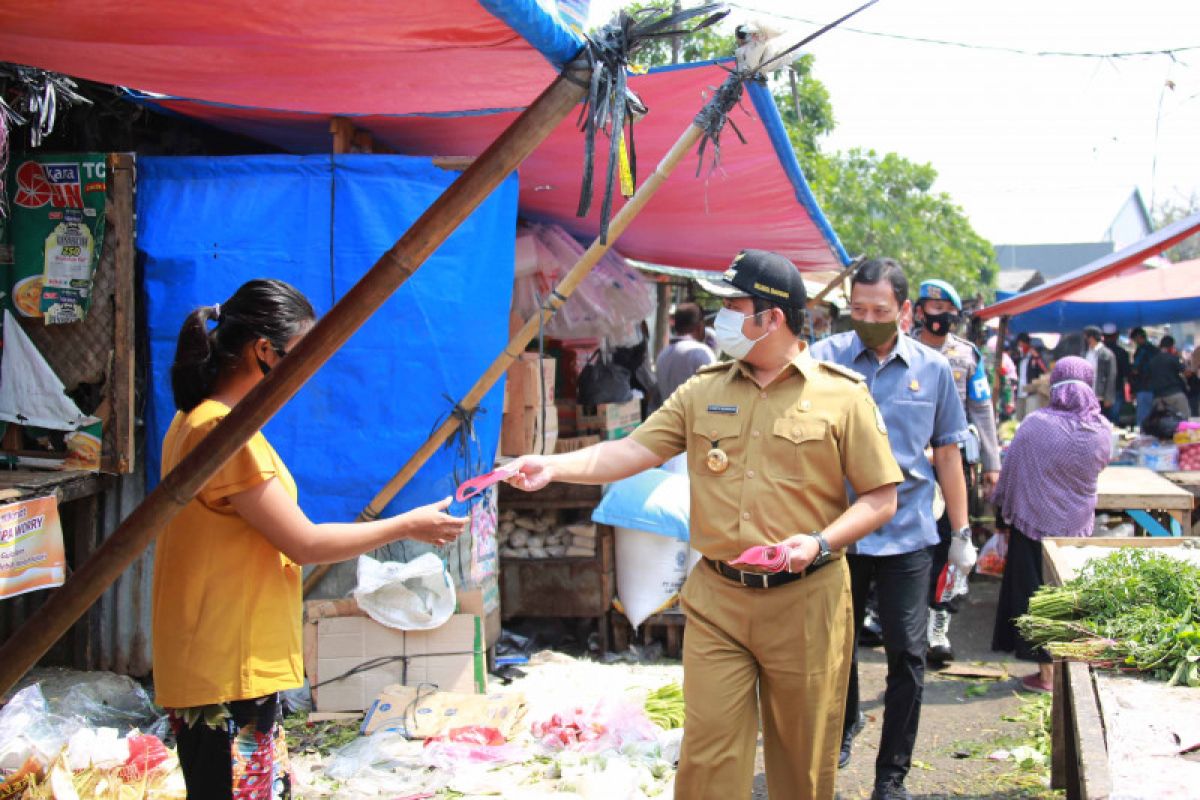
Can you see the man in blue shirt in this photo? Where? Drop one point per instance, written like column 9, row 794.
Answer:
column 914, row 388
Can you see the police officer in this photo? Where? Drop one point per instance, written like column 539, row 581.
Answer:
column 773, row 439
column 939, row 310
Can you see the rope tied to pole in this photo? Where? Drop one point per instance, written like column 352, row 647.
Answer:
column 611, row 106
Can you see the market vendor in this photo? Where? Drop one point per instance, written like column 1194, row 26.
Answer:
column 227, row 589
column 914, row 387
column 1047, row 488
column 772, row 440
column 939, row 310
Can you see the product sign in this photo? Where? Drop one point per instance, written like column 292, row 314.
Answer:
column 31, row 547
column 53, row 234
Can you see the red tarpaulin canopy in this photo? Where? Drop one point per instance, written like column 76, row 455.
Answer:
column 755, row 198
column 436, row 77
column 377, row 56
column 1097, row 271
column 1175, row 282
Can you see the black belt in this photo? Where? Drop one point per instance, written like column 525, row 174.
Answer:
column 764, row 580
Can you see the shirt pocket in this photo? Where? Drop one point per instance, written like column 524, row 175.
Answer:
column 797, row 449
column 715, row 431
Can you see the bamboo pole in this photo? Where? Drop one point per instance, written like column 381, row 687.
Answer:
column 84, row 587
column 525, row 335
column 848, row 272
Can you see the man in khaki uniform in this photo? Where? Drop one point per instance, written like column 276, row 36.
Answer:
column 774, row 440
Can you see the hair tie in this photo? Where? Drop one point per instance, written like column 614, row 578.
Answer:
column 217, row 313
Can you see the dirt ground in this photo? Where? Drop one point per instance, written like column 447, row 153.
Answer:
column 961, row 720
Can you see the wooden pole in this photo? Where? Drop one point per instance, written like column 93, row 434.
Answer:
column 1001, row 335
column 524, row 336
column 128, row 542
column 837, row 281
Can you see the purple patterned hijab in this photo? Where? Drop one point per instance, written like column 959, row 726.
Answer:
column 1071, row 393
column 1048, row 484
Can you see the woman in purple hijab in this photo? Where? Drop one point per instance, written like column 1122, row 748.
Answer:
column 1047, row 488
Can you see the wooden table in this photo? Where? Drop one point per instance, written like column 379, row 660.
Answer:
column 1080, row 754
column 1137, row 490
column 1191, row 482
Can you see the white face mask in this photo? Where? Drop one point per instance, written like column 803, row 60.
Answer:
column 728, row 328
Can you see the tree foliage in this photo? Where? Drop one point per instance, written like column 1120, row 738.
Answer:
column 879, row 205
column 886, row 205
column 1169, row 211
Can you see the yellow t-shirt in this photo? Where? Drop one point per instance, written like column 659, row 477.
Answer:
column 227, row 603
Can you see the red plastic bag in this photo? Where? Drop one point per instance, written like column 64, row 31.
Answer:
column 993, row 556
column 471, row 744
column 146, row 754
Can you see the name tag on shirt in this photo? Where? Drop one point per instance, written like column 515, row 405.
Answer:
column 723, row 410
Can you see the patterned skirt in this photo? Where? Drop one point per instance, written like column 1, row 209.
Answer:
column 234, row 750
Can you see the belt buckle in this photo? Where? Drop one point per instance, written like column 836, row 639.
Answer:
column 761, row 583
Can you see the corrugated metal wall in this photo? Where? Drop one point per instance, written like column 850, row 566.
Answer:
column 120, row 623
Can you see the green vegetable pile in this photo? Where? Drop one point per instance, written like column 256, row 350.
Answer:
column 1135, row 610
column 664, row 706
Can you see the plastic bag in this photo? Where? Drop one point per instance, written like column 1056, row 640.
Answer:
column 413, row 596
column 99, row 700
column 992, row 556
column 602, row 381
column 471, row 744
column 613, row 297
column 608, row 725
column 29, row 732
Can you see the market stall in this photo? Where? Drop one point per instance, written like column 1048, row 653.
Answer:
column 1191, row 481
column 1137, row 491
column 1111, row 736
column 69, row 402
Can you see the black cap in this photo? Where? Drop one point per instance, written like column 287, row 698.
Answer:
column 762, row 274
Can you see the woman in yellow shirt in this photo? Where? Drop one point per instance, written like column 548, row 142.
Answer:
column 227, row 583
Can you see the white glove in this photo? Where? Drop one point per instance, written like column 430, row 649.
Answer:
column 962, row 551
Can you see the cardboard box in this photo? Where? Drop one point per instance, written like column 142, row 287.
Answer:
column 450, row 657
column 531, row 383
column 483, row 602
column 521, row 431
column 573, row 443
column 418, row 714
column 610, row 420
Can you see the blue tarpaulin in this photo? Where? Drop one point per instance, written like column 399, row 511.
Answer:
column 1063, row 317
column 206, row 225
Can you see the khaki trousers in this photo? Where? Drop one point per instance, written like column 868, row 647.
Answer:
column 785, row 651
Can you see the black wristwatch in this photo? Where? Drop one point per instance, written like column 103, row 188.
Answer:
column 823, row 551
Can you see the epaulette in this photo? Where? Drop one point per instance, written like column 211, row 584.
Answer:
column 974, row 347
column 845, row 372
column 716, row 366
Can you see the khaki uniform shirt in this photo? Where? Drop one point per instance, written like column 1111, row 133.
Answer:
column 792, row 446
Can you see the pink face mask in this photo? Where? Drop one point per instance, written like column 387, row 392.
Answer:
column 770, row 557
column 474, row 487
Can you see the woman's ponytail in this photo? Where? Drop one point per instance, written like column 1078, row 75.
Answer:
column 263, row 308
column 195, row 368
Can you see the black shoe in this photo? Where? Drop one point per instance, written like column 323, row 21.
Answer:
column 891, row 789
column 848, row 740
column 871, row 635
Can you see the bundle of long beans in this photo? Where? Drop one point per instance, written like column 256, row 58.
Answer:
column 1134, row 610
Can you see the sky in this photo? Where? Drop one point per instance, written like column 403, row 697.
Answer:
column 1033, row 148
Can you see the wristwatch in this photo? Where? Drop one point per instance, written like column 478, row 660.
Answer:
column 962, row 533
column 823, row 551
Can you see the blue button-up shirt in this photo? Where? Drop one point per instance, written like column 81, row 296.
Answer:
column 914, row 389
